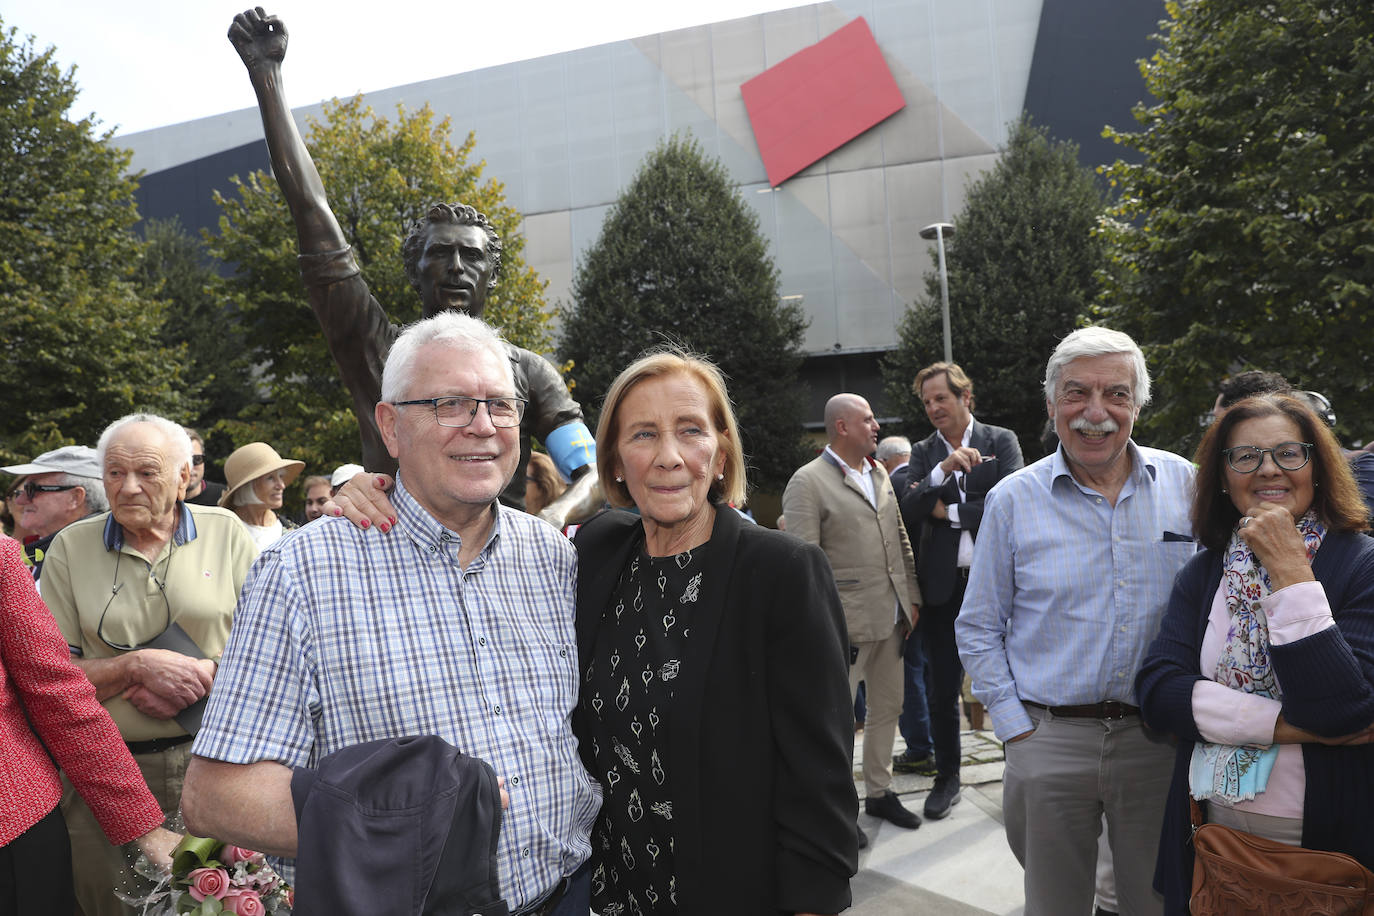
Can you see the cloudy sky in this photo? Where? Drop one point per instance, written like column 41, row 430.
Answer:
column 146, row 64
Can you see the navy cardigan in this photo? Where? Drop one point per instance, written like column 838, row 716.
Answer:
column 1328, row 688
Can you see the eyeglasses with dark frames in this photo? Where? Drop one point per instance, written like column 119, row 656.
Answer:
column 1288, row 456
column 457, row 412
column 32, row 489
column 197, row 460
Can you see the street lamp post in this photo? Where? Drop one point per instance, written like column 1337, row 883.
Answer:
column 939, row 232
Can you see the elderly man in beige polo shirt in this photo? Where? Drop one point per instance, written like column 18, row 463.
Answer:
column 144, row 595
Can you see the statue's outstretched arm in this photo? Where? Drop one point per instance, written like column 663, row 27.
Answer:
column 261, row 42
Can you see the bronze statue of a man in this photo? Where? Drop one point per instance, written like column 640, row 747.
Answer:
column 452, row 257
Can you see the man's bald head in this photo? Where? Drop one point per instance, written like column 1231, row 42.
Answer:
column 850, row 428
column 840, row 407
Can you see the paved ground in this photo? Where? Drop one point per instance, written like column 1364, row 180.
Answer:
column 957, row 866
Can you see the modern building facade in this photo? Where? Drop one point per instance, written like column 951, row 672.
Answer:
column 565, row 133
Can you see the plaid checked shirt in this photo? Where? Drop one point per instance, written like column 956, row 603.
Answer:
column 344, row 636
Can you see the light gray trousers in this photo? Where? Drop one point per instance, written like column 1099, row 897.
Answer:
column 1058, row 785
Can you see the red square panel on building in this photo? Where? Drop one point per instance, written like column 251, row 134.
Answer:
column 819, row 99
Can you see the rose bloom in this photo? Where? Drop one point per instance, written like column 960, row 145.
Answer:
column 208, row 882
column 244, row 903
column 232, row 855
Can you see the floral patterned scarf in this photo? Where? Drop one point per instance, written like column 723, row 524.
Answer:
column 1225, row 772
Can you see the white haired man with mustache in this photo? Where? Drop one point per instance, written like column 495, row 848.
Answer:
column 1071, row 573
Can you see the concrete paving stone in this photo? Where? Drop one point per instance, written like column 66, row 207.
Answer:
column 956, row 866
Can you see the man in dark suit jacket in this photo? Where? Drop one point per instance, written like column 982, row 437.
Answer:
column 894, row 453
column 948, row 476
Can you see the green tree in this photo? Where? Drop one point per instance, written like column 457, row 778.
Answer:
column 79, row 344
column 1245, row 239
column 680, row 259
column 176, row 269
column 380, row 176
column 1022, row 268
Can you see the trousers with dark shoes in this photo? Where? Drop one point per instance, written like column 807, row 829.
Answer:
column 944, row 678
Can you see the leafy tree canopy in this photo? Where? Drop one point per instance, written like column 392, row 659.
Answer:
column 680, row 260
column 202, row 320
column 1022, row 269
column 380, row 175
column 1245, row 239
column 80, row 343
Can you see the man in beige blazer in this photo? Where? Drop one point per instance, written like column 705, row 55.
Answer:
column 843, row 502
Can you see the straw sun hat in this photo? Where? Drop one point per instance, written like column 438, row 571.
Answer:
column 251, row 461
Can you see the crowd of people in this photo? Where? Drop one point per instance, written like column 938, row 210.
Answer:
column 488, row 678
column 1146, row 632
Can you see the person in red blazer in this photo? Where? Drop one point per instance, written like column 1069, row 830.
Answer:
column 48, row 712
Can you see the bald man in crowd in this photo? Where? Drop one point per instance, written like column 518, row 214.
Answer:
column 843, row 502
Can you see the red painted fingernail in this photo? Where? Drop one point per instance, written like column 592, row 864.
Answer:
column 393, row 521
column 384, row 527
column 337, row 512
column 365, row 524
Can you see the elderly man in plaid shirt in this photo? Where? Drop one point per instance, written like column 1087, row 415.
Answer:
column 460, row 624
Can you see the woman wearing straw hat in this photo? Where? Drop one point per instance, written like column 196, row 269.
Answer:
column 257, row 478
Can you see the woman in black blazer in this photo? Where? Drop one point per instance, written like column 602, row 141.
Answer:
column 715, row 704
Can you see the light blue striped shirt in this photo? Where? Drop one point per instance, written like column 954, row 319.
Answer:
column 344, row 636
column 1067, row 590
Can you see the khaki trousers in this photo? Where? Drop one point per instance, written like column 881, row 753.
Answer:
column 879, row 666
column 1058, row 785
column 98, row 868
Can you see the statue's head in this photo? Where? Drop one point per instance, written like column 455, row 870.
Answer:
column 452, row 256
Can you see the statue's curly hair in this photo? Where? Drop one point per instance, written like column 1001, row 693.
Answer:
column 455, row 214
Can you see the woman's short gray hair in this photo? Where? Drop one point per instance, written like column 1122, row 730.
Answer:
column 1098, row 341
column 462, row 332
column 246, row 496
column 178, row 443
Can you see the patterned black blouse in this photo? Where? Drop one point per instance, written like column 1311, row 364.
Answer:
column 628, row 688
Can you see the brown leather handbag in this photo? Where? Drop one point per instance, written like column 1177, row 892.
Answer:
column 1237, row 873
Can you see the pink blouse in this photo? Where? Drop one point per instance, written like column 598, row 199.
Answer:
column 1226, row 716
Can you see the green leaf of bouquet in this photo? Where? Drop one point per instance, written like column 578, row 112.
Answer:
column 193, row 852
column 210, row 906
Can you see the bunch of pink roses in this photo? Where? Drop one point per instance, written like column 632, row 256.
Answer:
column 223, row 878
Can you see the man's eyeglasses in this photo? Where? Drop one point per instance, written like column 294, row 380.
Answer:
column 1290, row 456
column 197, row 460
column 33, row 489
column 457, row 412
